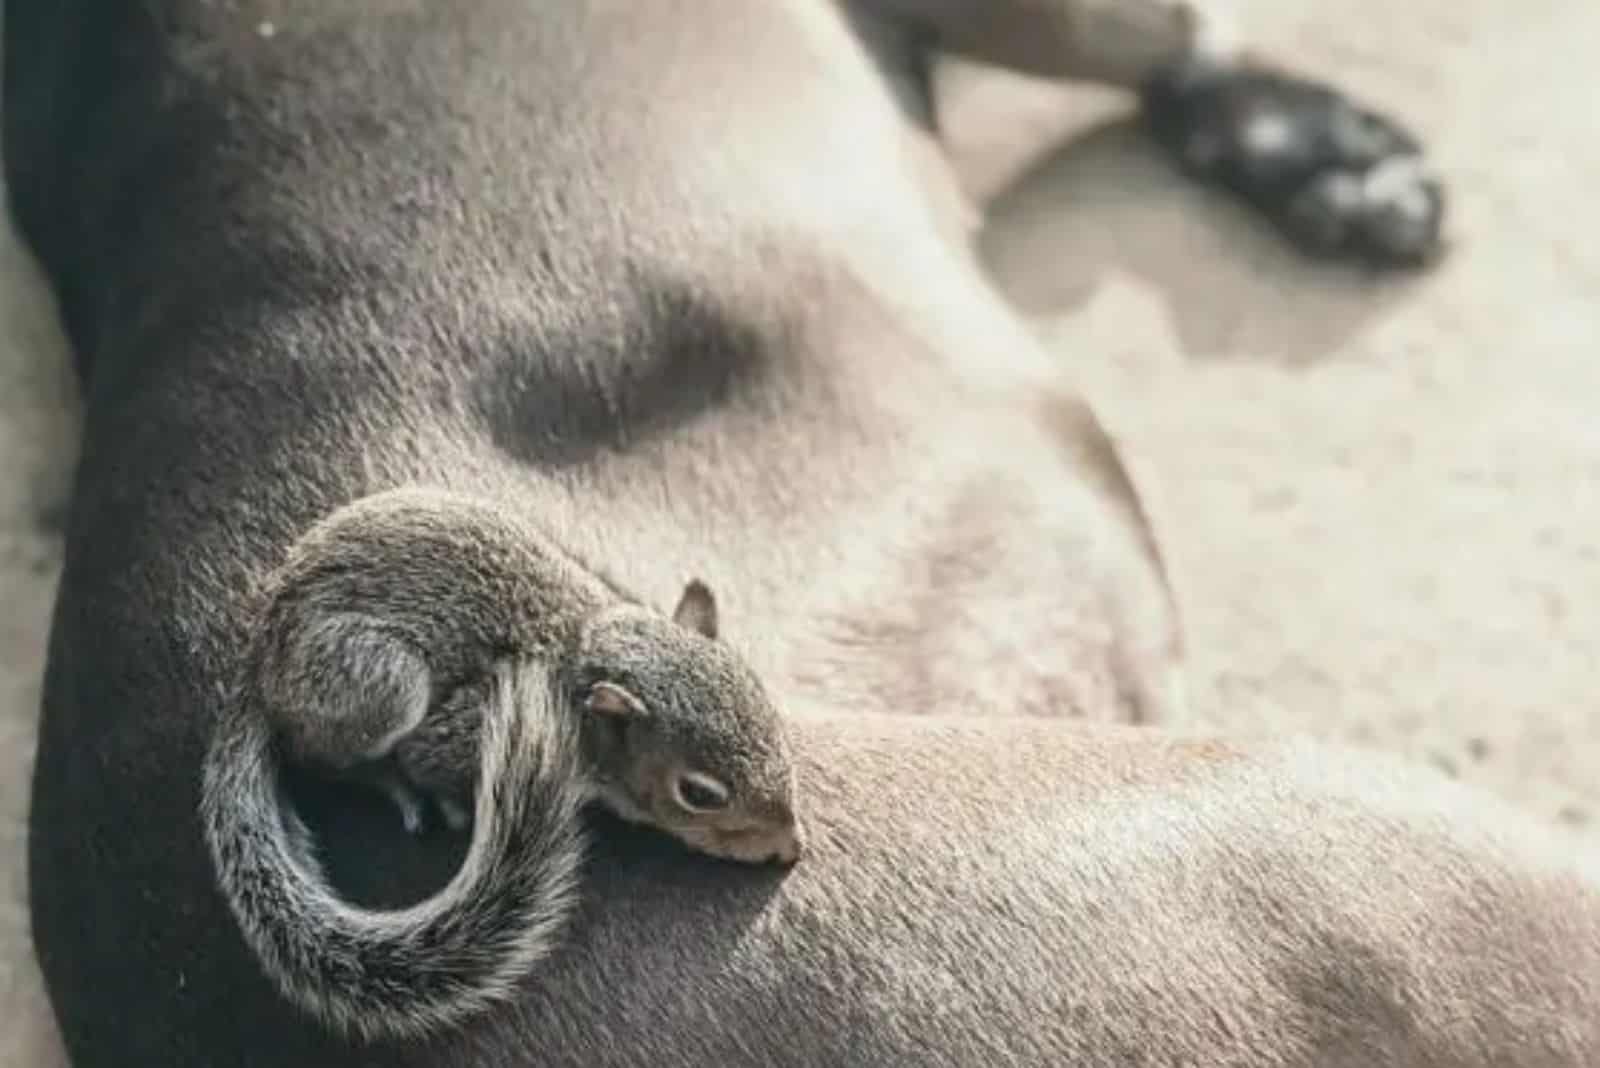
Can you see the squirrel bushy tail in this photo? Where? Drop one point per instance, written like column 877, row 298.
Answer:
column 379, row 973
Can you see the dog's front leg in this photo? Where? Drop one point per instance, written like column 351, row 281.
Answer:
column 1338, row 178
column 1114, row 42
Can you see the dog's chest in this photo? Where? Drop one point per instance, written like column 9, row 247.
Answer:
column 948, row 565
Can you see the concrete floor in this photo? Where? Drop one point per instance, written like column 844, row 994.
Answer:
column 1380, row 498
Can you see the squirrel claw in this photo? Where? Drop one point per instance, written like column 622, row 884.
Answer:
column 409, row 802
column 456, row 816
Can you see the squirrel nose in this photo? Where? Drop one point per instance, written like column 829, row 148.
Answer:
column 791, row 846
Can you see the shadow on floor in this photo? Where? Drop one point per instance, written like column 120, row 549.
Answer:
column 1109, row 203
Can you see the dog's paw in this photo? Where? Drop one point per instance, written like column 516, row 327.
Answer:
column 1340, row 180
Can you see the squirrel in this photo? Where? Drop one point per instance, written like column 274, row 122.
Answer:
column 459, row 652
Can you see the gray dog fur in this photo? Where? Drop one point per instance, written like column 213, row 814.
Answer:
column 678, row 278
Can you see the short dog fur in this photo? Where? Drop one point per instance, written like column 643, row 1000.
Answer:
column 681, row 279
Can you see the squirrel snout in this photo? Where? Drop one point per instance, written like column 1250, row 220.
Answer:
column 791, row 846
column 782, row 844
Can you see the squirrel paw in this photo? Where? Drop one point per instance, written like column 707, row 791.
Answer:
column 415, row 804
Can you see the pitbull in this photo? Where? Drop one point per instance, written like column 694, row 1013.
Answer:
column 684, row 282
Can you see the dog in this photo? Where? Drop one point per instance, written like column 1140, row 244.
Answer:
column 685, row 283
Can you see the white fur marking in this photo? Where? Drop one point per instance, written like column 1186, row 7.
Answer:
column 1398, row 183
column 1268, row 134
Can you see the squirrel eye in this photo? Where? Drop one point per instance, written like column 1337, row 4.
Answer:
column 701, row 793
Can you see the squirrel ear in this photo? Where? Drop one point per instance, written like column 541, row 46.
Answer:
column 610, row 700
column 697, row 609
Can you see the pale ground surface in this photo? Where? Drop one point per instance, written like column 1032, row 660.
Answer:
column 1382, row 501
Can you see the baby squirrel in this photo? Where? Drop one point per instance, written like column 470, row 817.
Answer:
column 454, row 647
column 676, row 717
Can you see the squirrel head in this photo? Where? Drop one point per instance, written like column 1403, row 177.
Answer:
column 681, row 735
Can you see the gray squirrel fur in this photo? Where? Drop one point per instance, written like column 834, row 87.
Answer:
column 679, row 279
column 384, row 973
column 557, row 693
